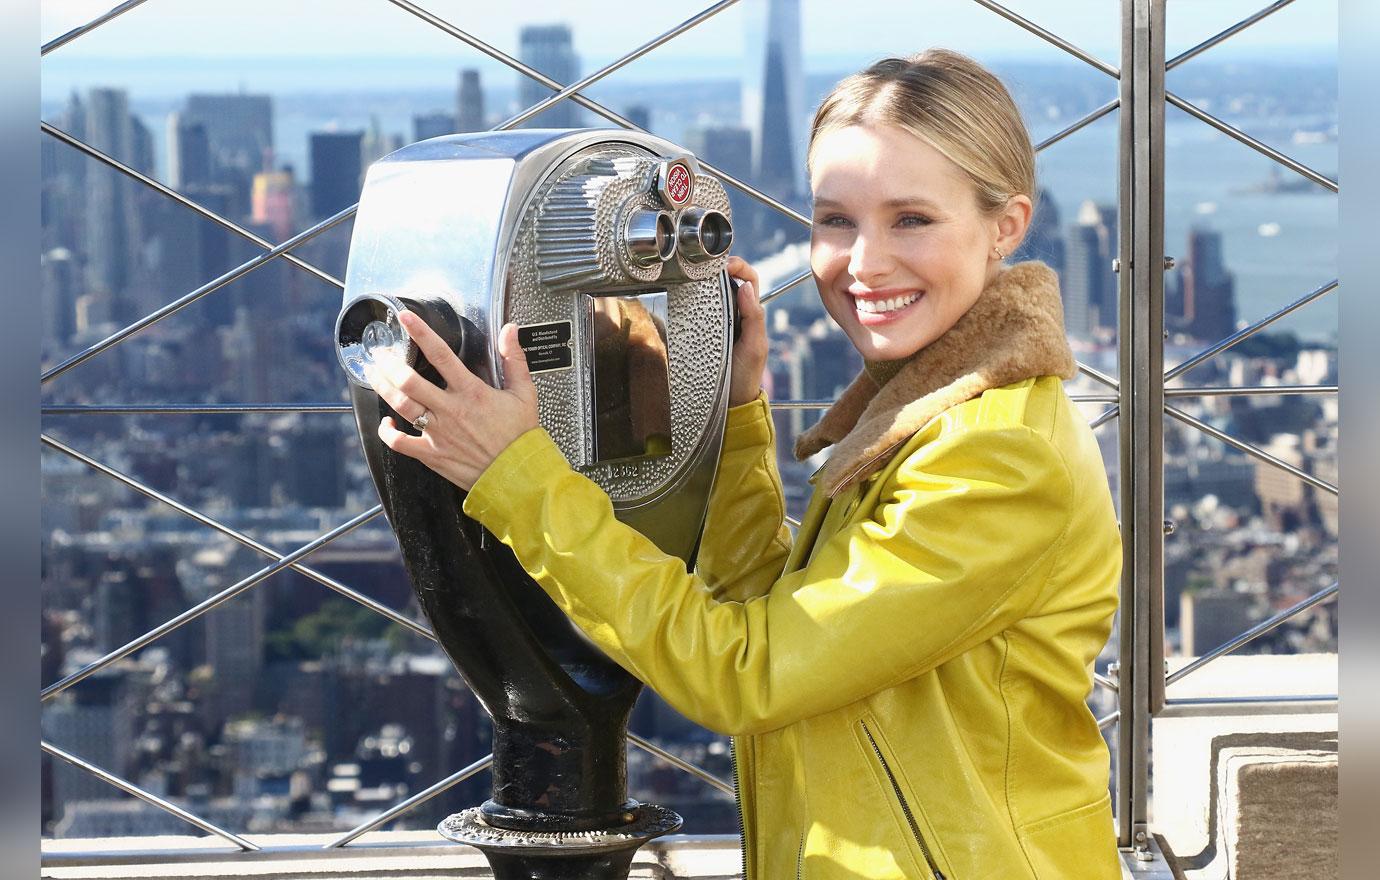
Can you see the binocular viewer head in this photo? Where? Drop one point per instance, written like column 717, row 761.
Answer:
column 607, row 249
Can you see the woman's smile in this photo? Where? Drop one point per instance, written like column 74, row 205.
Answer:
column 883, row 306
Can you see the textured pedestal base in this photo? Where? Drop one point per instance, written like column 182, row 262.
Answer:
column 560, row 855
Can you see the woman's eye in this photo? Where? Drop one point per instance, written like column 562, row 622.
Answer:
column 914, row 220
column 835, row 221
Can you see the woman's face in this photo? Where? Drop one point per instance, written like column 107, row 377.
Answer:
column 897, row 247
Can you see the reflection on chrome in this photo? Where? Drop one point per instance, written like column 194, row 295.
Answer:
column 632, row 390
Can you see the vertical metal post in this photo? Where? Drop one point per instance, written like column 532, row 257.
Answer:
column 1141, row 365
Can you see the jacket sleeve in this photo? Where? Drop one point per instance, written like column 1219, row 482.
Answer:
column 961, row 541
column 745, row 541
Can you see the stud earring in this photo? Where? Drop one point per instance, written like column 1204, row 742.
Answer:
column 1000, row 255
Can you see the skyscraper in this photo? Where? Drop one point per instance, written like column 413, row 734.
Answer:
column 59, row 274
column 639, row 115
column 548, row 49
column 1109, row 231
column 272, row 202
column 109, row 204
column 189, row 152
column 95, row 721
column 376, row 143
column 1088, row 282
column 336, row 164
column 430, row 125
column 1209, row 290
column 1079, row 282
column 238, row 127
column 469, row 103
column 64, row 182
column 773, row 102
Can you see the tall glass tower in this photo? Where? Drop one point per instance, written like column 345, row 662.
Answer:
column 548, row 49
column 773, row 99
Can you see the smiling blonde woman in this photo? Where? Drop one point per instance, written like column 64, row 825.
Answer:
column 905, row 678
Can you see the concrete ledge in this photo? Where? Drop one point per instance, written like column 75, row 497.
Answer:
column 1249, row 791
column 414, row 855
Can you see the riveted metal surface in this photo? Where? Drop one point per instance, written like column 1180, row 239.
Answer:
column 578, row 205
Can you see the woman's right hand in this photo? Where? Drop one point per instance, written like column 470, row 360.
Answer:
column 750, row 351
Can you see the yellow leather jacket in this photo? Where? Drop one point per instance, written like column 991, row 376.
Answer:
column 906, row 684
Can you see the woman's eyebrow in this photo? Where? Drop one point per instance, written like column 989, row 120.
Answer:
column 900, row 202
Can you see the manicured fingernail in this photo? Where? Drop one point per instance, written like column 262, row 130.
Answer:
column 407, row 317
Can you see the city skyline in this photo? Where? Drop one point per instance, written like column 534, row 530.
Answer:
column 291, row 708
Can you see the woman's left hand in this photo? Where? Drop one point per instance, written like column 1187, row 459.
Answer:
column 469, row 422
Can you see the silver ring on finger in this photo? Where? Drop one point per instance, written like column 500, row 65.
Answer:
column 421, row 421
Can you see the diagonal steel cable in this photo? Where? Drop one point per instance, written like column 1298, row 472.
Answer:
column 415, row 800
column 225, row 223
column 1249, row 390
column 1255, row 144
column 693, row 21
column 1254, row 632
column 207, row 604
column 1231, row 31
column 177, row 305
column 1246, row 332
column 1253, row 451
column 785, row 286
column 681, row 764
column 593, row 106
column 193, row 513
column 91, row 25
column 148, row 797
column 1082, row 123
column 1094, row 373
column 1050, row 37
column 1108, row 720
column 1105, row 418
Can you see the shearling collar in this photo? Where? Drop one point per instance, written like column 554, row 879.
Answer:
column 1013, row 331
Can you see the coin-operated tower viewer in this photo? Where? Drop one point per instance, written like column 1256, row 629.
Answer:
column 607, row 249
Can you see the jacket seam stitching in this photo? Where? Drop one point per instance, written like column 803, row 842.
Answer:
column 1057, row 819
column 1006, row 707
column 779, row 498
column 1058, row 550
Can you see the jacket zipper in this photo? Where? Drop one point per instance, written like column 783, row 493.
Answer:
column 738, row 803
column 905, row 807
column 799, row 856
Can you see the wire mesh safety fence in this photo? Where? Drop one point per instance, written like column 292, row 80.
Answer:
column 1137, row 395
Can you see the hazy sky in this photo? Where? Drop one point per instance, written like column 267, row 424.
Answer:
column 831, row 28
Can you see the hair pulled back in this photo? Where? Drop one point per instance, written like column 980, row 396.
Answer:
column 952, row 103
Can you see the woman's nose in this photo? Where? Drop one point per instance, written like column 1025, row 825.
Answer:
column 868, row 259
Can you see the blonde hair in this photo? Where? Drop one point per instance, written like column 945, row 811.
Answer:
column 952, row 103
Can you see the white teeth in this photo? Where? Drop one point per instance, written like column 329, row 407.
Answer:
column 885, row 305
